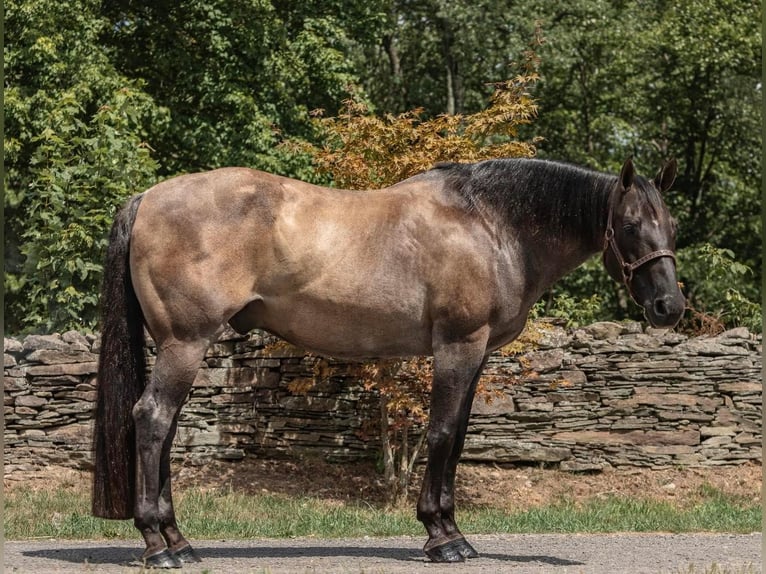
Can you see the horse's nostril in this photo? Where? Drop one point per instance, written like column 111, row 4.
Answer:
column 660, row 308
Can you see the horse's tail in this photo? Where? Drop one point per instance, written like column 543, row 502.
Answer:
column 121, row 376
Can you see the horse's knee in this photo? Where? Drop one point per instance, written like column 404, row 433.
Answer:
column 427, row 511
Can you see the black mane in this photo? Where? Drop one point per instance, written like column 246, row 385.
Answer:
column 564, row 199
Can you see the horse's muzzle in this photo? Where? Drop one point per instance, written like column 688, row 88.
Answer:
column 664, row 312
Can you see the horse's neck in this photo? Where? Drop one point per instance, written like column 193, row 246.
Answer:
column 554, row 253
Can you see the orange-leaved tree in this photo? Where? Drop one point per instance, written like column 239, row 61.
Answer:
column 364, row 151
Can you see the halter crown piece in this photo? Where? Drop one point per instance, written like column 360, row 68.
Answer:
column 626, row 267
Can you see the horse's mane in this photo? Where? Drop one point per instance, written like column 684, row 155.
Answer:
column 562, row 198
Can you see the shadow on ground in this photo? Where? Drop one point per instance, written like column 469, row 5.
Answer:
column 119, row 555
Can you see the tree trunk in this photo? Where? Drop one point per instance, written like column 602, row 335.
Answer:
column 398, row 93
column 454, row 95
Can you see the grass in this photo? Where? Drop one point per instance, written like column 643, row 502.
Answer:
column 64, row 513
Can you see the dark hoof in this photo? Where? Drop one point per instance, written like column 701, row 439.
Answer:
column 465, row 548
column 187, row 555
column 162, row 559
column 447, row 552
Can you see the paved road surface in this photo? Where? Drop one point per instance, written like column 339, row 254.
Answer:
column 517, row 554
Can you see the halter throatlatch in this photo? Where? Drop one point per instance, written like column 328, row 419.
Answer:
column 627, row 268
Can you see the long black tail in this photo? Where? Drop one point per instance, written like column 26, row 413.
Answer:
column 121, row 376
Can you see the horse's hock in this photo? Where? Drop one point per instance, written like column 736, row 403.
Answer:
column 585, row 399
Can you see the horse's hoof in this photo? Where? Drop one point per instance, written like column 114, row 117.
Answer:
column 187, row 555
column 465, row 548
column 447, row 552
column 162, row 559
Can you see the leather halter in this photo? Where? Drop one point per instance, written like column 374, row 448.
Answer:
column 627, row 268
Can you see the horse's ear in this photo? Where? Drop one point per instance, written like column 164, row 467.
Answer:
column 626, row 174
column 666, row 176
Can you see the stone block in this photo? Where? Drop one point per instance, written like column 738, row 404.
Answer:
column 509, row 450
column 709, row 348
column 31, row 401
column 741, row 387
column 496, row 406
column 11, row 384
column 718, row 431
column 58, row 356
column 716, row 441
column 573, row 396
column 544, row 361
column 747, row 438
column 75, row 407
column 534, row 404
column 12, row 346
column 667, row 449
column 34, row 342
column 637, row 437
column 192, row 437
column 62, row 369
column 604, row 330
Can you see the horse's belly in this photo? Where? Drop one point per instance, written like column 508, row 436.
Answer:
column 345, row 329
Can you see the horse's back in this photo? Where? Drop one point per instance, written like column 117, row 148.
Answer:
column 342, row 272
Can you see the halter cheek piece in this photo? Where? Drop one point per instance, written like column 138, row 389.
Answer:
column 627, row 268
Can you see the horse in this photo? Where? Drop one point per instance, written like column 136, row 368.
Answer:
column 447, row 263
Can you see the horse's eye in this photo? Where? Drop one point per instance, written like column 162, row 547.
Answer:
column 630, row 229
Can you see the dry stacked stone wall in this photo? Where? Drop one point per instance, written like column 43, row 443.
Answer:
column 605, row 395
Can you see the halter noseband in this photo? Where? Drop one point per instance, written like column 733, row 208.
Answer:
column 627, row 268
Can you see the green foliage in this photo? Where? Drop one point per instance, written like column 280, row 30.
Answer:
column 238, row 76
column 714, row 276
column 80, row 173
column 575, row 311
column 75, row 145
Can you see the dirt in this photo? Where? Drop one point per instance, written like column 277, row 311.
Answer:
column 507, row 486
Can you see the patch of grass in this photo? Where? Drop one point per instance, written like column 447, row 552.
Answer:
column 65, row 514
column 717, row 513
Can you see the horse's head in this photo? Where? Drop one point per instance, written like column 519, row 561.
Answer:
column 640, row 244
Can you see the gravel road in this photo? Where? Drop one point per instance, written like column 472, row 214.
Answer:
column 518, row 553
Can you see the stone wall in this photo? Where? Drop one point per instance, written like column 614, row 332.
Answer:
column 605, row 395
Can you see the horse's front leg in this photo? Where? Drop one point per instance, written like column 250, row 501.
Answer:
column 448, row 483
column 456, row 368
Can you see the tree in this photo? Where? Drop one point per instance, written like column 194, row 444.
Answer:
column 74, row 150
column 252, row 70
column 441, row 56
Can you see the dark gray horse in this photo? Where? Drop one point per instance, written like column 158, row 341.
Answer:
column 447, row 263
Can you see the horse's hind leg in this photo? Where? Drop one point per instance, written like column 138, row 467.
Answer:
column 155, row 415
column 178, row 546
